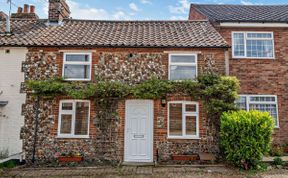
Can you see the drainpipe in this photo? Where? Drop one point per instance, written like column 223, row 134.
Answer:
column 8, row 29
column 226, row 54
column 37, row 107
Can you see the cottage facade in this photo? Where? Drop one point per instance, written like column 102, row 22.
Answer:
column 131, row 52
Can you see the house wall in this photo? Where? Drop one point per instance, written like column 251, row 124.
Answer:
column 261, row 76
column 128, row 65
column 11, row 78
column 265, row 76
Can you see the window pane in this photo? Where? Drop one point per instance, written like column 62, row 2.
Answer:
column 239, row 44
column 183, row 59
column 191, row 125
column 175, row 119
column 81, row 119
column 182, row 72
column 67, row 106
column 259, row 48
column 241, row 103
column 271, row 108
column 263, row 98
column 191, row 108
column 77, row 58
column 259, row 35
column 66, row 124
column 77, row 71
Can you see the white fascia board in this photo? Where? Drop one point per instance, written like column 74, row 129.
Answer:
column 247, row 24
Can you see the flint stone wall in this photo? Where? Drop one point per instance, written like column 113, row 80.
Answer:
column 106, row 143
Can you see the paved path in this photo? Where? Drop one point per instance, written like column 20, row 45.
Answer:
column 139, row 172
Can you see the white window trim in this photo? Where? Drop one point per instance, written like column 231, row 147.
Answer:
column 261, row 102
column 245, row 41
column 59, row 135
column 183, row 64
column 77, row 63
column 184, row 114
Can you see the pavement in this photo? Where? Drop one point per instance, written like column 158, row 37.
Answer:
column 216, row 171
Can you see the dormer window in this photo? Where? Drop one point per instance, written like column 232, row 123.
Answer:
column 77, row 66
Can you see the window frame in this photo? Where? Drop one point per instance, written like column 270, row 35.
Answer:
column 184, row 114
column 77, row 63
column 73, row 113
column 263, row 102
column 245, row 44
column 182, row 64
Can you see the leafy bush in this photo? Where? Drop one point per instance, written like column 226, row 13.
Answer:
column 278, row 161
column 277, row 150
column 245, row 137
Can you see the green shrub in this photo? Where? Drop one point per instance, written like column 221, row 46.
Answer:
column 245, row 137
column 278, row 161
column 277, row 150
column 8, row 164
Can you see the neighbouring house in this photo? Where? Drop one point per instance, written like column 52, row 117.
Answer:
column 258, row 35
column 11, row 77
column 127, row 51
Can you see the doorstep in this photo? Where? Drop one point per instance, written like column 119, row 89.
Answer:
column 137, row 164
column 271, row 158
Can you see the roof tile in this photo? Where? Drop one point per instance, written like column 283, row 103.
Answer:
column 112, row 34
column 244, row 13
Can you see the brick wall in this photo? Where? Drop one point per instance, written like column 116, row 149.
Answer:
column 42, row 63
column 265, row 76
column 194, row 14
column 58, row 10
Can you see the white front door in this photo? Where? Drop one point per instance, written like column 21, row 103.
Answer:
column 138, row 131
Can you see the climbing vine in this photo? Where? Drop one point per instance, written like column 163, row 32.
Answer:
column 217, row 92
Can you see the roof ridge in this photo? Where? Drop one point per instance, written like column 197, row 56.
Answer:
column 111, row 21
column 195, row 4
column 127, row 21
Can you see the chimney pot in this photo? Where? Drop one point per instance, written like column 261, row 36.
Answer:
column 26, row 8
column 32, row 9
column 20, row 10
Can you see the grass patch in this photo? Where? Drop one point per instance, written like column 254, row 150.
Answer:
column 9, row 164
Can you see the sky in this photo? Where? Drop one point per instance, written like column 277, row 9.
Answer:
column 129, row 9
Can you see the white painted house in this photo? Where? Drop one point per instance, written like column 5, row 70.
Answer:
column 11, row 99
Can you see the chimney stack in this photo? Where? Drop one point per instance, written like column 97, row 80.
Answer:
column 26, row 8
column 58, row 11
column 20, row 10
column 28, row 13
column 32, row 9
column 5, row 17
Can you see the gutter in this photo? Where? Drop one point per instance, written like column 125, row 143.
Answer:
column 107, row 46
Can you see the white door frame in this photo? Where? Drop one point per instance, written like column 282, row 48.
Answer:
column 151, row 139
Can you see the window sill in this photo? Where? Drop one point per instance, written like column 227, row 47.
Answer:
column 193, row 80
column 183, row 138
column 72, row 137
column 81, row 80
